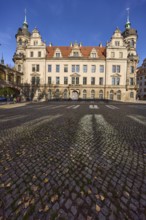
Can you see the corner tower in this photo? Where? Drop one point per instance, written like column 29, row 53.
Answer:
column 130, row 38
column 22, row 40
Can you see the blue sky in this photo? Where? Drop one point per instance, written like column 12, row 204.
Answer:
column 65, row 21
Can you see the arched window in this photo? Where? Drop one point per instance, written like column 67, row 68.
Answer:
column 65, row 95
column 131, row 94
column 101, row 94
column 19, row 68
column 20, row 41
column 111, row 94
column 132, row 43
column 92, row 94
column 118, row 95
column 49, row 94
column 84, row 94
column 57, row 93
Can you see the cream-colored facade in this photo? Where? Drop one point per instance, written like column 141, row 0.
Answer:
column 77, row 71
column 141, row 81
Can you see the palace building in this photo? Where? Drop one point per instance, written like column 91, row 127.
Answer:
column 77, row 71
column 141, row 81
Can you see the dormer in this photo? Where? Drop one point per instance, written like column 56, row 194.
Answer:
column 75, row 52
column 57, row 53
column 93, row 53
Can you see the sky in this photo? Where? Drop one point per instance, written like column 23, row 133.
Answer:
column 64, row 21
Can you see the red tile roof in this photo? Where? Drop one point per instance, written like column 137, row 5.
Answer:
column 85, row 51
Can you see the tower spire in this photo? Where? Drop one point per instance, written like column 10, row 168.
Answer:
column 2, row 59
column 25, row 19
column 128, row 24
column 25, row 24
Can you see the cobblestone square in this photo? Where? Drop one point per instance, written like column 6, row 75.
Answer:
column 73, row 161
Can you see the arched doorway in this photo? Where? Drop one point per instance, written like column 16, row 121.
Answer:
column 118, row 95
column 2, row 75
column 75, row 95
column 101, row 94
column 111, row 95
column 84, row 94
column 65, row 94
column 92, row 94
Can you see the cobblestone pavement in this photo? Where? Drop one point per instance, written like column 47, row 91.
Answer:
column 73, row 161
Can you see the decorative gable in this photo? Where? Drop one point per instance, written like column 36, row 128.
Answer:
column 57, row 53
column 93, row 53
column 75, row 52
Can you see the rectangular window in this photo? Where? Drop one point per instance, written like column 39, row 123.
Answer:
column 93, row 55
column 75, row 54
column 37, row 80
column 73, row 80
column 31, row 54
column 77, row 80
column 93, row 69
column 77, row 68
column 65, row 80
column 33, row 67
column 58, row 55
column 84, row 80
column 66, row 68
column 84, row 68
column 112, row 54
column 101, row 81
column 39, row 53
column 35, row 43
column 49, row 80
column 120, row 54
column 73, row 68
column 92, row 80
column 116, row 68
column 57, row 80
column 49, row 68
column 131, row 81
column 131, row 69
column 33, row 80
column 117, row 43
column 57, row 68
column 101, row 68
column 37, row 68
column 115, row 81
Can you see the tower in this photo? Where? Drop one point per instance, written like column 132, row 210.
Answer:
column 22, row 40
column 130, row 38
column 2, row 60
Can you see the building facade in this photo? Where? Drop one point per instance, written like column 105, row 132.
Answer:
column 141, row 81
column 77, row 71
column 10, row 80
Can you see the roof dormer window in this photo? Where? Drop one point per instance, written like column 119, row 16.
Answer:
column 75, row 54
column 58, row 55
column 93, row 55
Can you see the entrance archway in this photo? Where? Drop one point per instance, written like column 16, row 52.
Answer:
column 75, row 95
